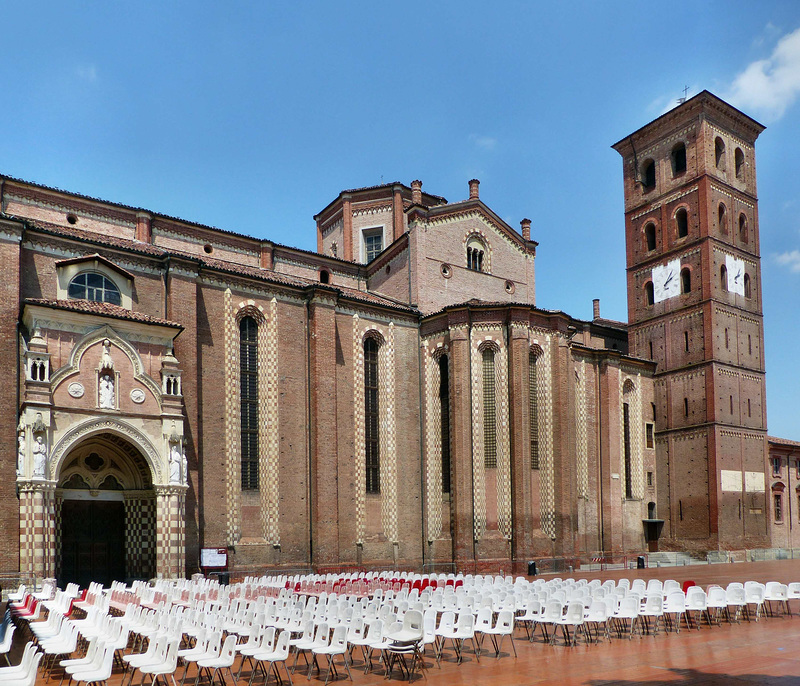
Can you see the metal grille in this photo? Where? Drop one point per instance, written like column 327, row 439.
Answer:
column 444, row 403
column 489, row 411
column 534, row 411
column 248, row 394
column 371, row 419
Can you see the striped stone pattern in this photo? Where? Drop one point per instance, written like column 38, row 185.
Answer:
column 581, row 444
column 140, row 530
column 637, row 440
column 359, row 458
column 433, row 443
column 544, row 378
column 233, row 479
column 269, row 436
column 504, row 522
column 57, row 520
column 388, row 438
column 170, row 503
column 478, row 466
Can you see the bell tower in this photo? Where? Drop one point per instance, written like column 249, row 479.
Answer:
column 694, row 307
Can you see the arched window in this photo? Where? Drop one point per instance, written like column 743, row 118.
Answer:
column 648, row 293
column 722, row 219
column 371, row 417
column 444, row 404
column 475, row 254
column 686, row 280
column 324, row 276
column 719, row 153
column 678, row 159
column 648, row 174
column 489, row 411
column 533, row 401
column 743, row 232
column 738, row 157
column 747, row 292
column 94, row 286
column 682, row 222
column 248, row 397
column 723, row 278
column 650, row 236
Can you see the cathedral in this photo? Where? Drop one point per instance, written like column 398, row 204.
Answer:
column 187, row 396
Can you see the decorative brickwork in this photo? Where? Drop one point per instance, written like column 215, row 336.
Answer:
column 233, row 481
column 433, row 443
column 170, row 503
column 630, row 392
column 37, row 528
column 140, row 535
column 544, row 378
column 388, row 438
column 581, row 446
column 269, row 436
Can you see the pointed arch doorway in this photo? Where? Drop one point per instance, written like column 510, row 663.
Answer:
column 106, row 512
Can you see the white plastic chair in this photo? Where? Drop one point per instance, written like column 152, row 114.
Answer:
column 697, row 601
column 279, row 654
column 26, row 677
column 573, row 617
column 337, row 646
column 675, row 605
column 776, row 592
column 653, row 608
column 627, row 612
column 223, row 661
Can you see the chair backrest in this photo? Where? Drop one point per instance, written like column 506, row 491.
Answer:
column 322, row 637
column 676, row 602
column 575, row 611
column 339, row 638
column 553, row 610
column 447, row 622
column 412, row 622
column 281, row 651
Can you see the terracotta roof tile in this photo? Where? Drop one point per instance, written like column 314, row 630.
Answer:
column 102, row 309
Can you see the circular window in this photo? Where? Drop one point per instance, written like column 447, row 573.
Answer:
column 72, row 219
column 208, row 248
column 510, row 288
column 447, row 270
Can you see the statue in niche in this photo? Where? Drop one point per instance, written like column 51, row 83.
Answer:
column 106, row 392
column 39, row 451
column 21, row 449
column 175, row 463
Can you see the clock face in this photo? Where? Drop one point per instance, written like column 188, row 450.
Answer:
column 666, row 281
column 735, row 269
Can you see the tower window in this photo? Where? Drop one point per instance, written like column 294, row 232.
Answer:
column 248, row 398
column 686, row 407
column 371, row 416
column 649, row 174
column 678, row 159
column 749, row 344
column 475, row 254
column 743, row 232
column 94, row 286
column 444, row 404
column 749, row 409
column 686, row 280
column 719, row 153
column 778, row 501
column 626, row 421
column 648, row 293
column 747, row 292
column 373, row 244
column 649, row 439
column 727, row 342
column 651, row 349
column 731, row 405
column 686, row 341
column 722, row 219
column 650, row 236
column 324, row 276
column 682, row 222
column 723, row 278
column 489, row 411
column 738, row 156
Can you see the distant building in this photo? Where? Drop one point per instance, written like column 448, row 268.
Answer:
column 395, row 398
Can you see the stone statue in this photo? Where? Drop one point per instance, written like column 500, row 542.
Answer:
column 39, row 451
column 175, row 463
column 21, row 451
column 107, row 392
column 185, row 472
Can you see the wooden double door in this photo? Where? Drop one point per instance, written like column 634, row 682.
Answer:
column 92, row 542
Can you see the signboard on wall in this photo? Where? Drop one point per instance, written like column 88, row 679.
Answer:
column 213, row 558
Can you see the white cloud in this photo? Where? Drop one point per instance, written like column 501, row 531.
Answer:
column 791, row 259
column 87, row 72
column 771, row 85
column 483, row 142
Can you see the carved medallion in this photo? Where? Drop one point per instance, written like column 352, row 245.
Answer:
column 137, row 395
column 76, row 389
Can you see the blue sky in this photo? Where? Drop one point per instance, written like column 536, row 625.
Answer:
column 253, row 116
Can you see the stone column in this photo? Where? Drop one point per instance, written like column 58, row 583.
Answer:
column 170, row 531
column 37, row 540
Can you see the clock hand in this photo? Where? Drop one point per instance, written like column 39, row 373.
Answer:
column 669, row 278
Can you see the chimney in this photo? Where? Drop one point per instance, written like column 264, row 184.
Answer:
column 596, row 308
column 473, row 189
column 416, row 192
column 143, row 229
column 526, row 229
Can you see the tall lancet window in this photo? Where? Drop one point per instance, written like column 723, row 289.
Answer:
column 444, row 403
column 533, row 390
column 371, row 417
column 248, row 396
column 489, row 411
